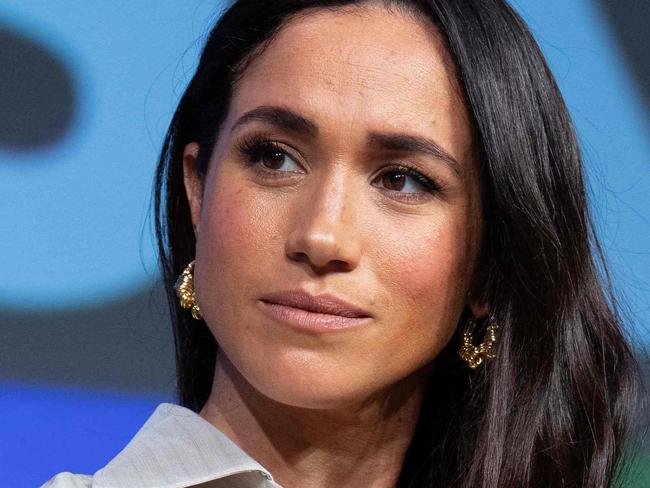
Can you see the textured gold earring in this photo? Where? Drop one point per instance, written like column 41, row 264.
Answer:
column 184, row 287
column 475, row 355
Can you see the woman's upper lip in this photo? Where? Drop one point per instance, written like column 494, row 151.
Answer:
column 324, row 303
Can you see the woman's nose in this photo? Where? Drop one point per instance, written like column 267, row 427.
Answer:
column 324, row 231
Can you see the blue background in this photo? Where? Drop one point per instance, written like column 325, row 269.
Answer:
column 87, row 90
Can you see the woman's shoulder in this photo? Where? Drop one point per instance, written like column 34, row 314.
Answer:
column 69, row 480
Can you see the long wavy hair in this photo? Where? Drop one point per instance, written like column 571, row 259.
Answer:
column 556, row 405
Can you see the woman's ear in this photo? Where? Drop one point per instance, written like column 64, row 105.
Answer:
column 476, row 299
column 193, row 183
column 478, row 307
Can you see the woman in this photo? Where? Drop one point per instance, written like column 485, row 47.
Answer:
column 380, row 262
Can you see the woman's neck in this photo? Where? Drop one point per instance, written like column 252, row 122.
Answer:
column 362, row 445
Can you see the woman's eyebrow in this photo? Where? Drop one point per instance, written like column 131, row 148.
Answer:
column 289, row 120
column 414, row 144
column 280, row 117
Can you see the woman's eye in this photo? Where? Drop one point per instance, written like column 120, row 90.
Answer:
column 407, row 180
column 271, row 157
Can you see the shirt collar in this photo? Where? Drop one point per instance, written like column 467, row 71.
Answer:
column 178, row 448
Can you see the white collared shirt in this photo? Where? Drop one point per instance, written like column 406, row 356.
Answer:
column 175, row 448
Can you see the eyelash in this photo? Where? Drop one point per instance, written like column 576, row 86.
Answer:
column 252, row 147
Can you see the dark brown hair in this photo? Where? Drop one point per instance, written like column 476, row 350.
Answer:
column 554, row 408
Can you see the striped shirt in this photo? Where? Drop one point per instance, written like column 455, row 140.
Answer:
column 175, row 448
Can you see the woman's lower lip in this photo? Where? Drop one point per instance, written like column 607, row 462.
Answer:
column 302, row 319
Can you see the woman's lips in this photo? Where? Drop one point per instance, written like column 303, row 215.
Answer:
column 310, row 321
column 324, row 303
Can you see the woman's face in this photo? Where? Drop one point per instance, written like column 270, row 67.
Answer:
column 307, row 193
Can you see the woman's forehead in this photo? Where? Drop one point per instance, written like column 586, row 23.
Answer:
column 372, row 68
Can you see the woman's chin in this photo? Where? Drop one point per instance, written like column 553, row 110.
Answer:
column 312, row 390
column 310, row 398
column 323, row 391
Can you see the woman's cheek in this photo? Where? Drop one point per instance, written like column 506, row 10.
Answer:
column 231, row 245
column 424, row 259
column 426, row 278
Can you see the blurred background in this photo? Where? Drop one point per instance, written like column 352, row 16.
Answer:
column 86, row 92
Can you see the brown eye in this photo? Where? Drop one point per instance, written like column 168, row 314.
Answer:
column 394, row 181
column 267, row 155
column 404, row 178
column 272, row 158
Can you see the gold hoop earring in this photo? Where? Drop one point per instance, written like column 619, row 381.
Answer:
column 184, row 287
column 475, row 355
